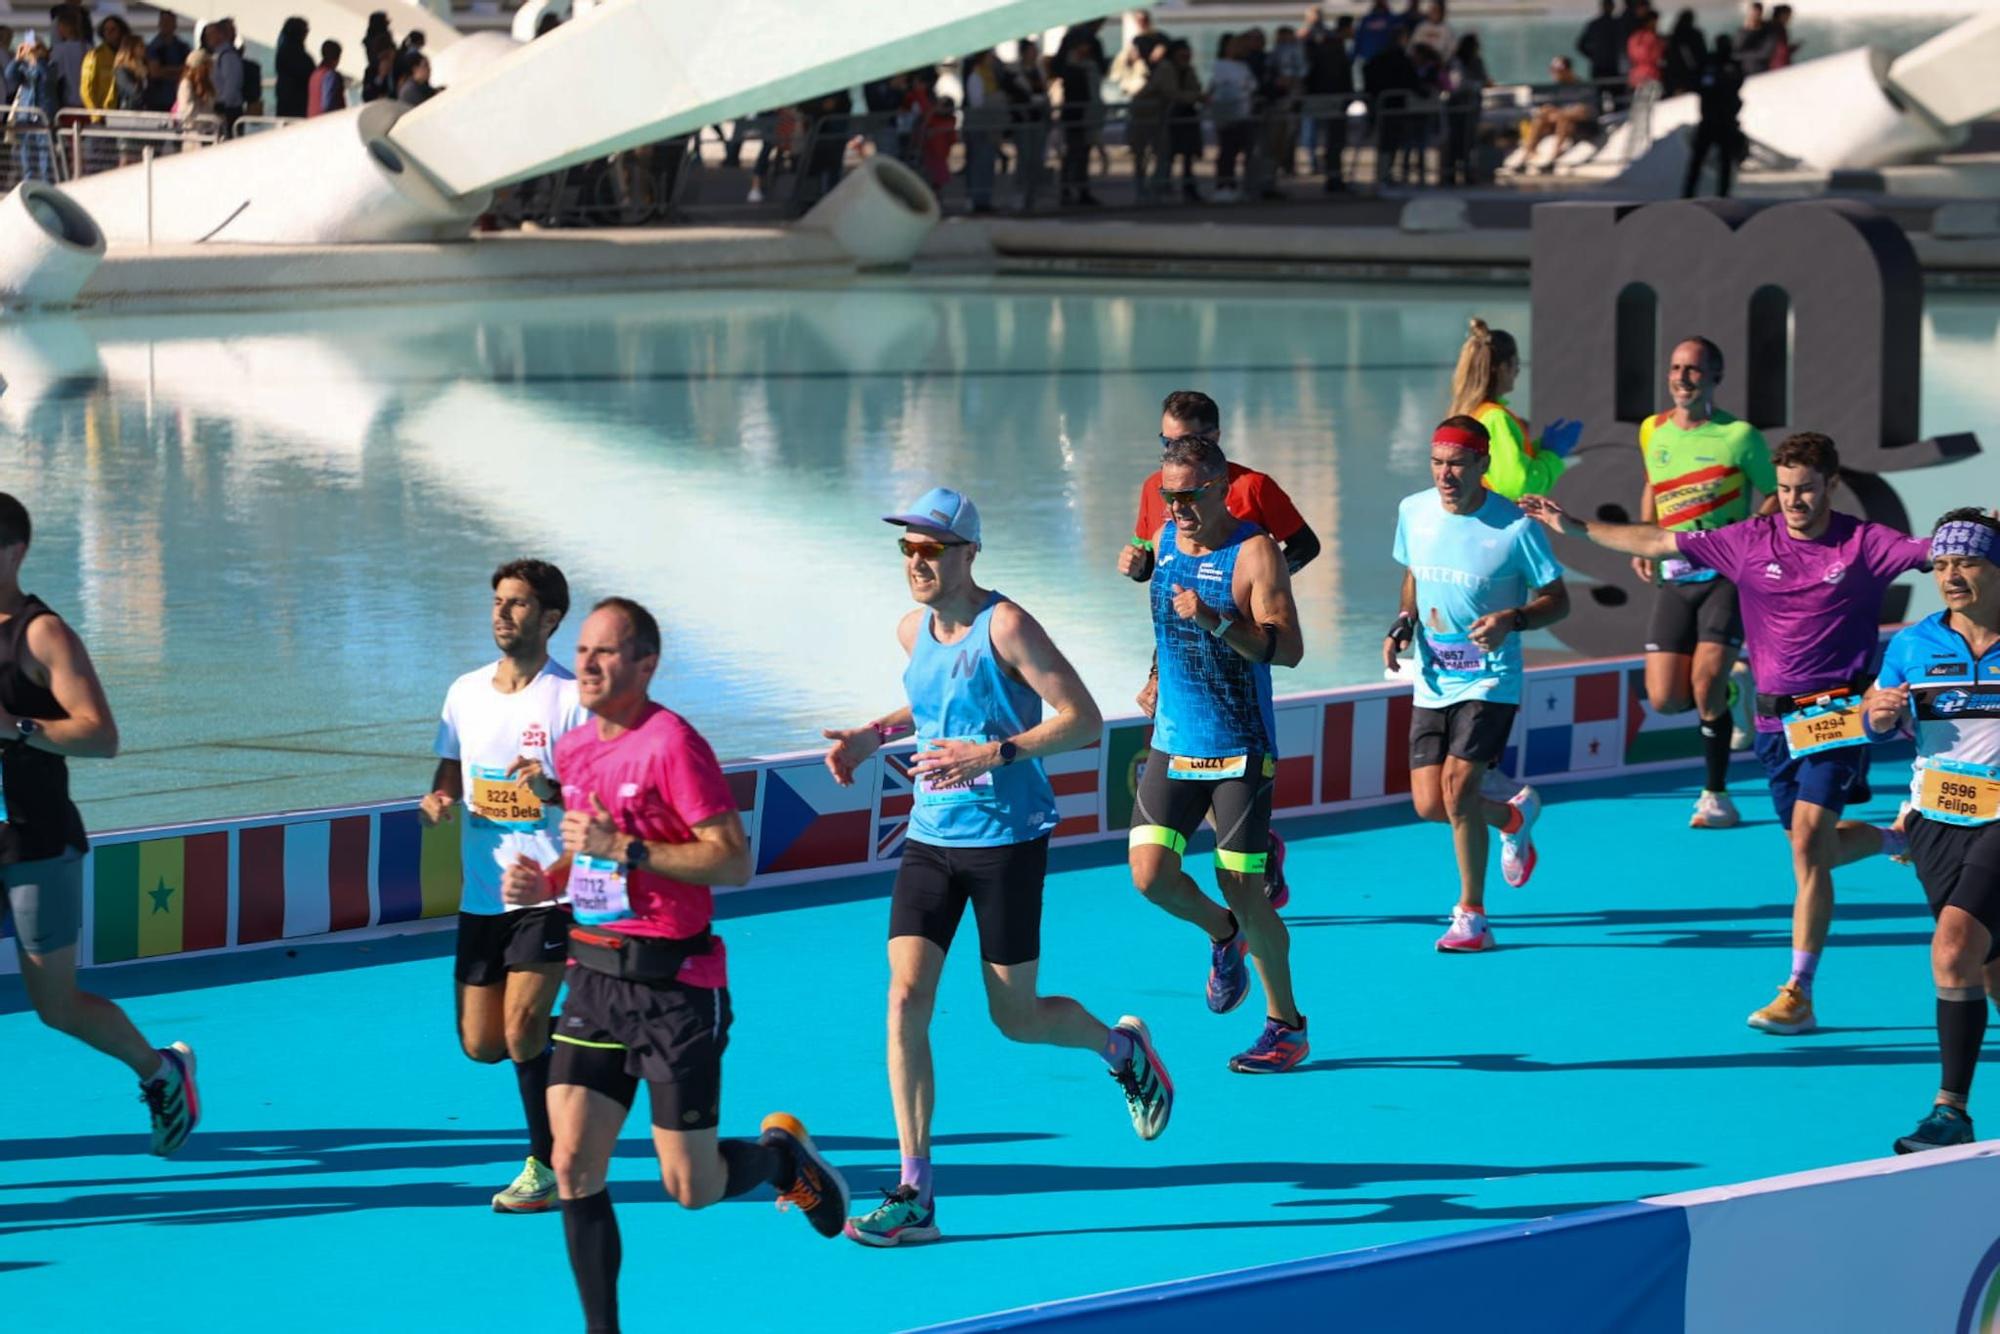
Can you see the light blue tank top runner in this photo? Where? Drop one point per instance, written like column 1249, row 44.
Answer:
column 960, row 691
column 1213, row 701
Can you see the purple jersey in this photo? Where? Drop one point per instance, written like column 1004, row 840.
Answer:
column 1811, row 609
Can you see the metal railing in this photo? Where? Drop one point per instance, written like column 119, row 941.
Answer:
column 94, row 141
column 30, row 149
column 245, row 126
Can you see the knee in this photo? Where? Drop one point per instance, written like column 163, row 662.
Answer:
column 1149, row 870
column 1017, row 1023
column 575, row 1176
column 526, row 1039
column 1430, row 806
column 682, row 1190
column 909, row 1002
column 60, row 1012
column 1954, row 958
column 1669, row 701
column 486, row 1052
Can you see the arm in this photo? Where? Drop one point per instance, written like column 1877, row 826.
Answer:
column 1549, row 604
column 1025, row 650
column 89, row 731
column 1271, row 633
column 719, row 854
column 1404, row 628
column 1634, row 539
column 1300, row 549
column 1648, row 511
column 1511, row 472
column 853, row 745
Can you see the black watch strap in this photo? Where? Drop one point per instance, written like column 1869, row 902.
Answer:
column 1009, row 752
column 635, row 853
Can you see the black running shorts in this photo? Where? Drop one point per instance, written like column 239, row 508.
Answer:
column 1474, row 730
column 1684, row 615
column 1003, row 885
column 1959, row 867
column 613, row 1033
column 490, row 945
column 1237, row 789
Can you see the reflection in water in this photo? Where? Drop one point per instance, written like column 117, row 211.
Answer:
column 277, row 543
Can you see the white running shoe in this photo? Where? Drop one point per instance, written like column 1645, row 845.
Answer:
column 1714, row 810
column 1468, row 934
column 1517, row 850
column 756, row 194
column 1742, row 698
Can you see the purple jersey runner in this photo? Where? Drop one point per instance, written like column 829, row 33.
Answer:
column 1811, row 609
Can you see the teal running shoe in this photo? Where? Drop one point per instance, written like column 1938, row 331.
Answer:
column 897, row 1221
column 1149, row 1091
column 1944, row 1127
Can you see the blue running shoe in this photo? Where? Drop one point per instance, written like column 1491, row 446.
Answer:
column 1228, row 975
column 1944, row 1127
column 898, row 1221
column 1277, row 1049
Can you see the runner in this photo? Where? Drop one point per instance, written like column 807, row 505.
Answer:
column 52, row 707
column 1489, row 362
column 1810, row 582
column 1222, row 614
column 1478, row 573
column 1946, row 669
column 1252, row 495
column 649, row 824
column 495, row 741
column 1701, row 464
column 979, row 833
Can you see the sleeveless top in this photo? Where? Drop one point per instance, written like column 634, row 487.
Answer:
column 961, row 691
column 42, row 820
column 1214, row 702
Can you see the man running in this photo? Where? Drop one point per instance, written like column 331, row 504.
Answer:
column 1222, row 614
column 980, row 671
column 1945, row 671
column 1479, row 573
column 649, row 825
column 1810, row 581
column 1701, row 466
column 52, row 706
column 495, row 743
column 1250, row 495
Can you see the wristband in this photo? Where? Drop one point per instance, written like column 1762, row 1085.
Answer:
column 1520, row 619
column 884, row 733
column 1222, row 627
column 1403, row 629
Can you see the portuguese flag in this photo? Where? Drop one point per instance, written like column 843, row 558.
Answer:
column 163, row 896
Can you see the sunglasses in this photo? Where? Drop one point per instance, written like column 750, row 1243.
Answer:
column 1166, row 440
column 1187, row 497
column 916, row 546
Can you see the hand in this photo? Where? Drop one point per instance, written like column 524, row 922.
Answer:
column 953, row 763
column 1188, row 606
column 591, row 834
column 1132, row 560
column 1389, row 663
column 1886, row 706
column 1491, row 630
column 1148, row 698
column 1547, row 512
column 525, row 770
column 525, row 882
column 1559, row 437
column 1643, row 567
column 435, row 808
column 851, row 747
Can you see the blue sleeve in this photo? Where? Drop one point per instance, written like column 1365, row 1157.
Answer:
column 1538, row 562
column 1897, row 659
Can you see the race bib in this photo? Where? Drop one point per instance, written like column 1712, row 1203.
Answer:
column 933, row 793
column 597, row 890
column 1456, row 655
column 497, row 799
column 1204, row 769
column 1827, row 726
column 1674, row 570
column 1955, row 792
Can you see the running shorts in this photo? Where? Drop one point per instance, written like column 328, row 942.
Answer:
column 1684, row 615
column 491, row 945
column 1003, row 885
column 1474, row 730
column 614, row 1033
column 1822, row 778
column 45, row 899
column 1168, row 810
column 1959, row 867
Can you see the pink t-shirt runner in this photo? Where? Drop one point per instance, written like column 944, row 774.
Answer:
column 1811, row 609
column 658, row 781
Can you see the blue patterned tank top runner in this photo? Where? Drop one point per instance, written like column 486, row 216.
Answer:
column 1213, row 701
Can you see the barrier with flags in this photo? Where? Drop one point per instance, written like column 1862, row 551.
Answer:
column 231, row 884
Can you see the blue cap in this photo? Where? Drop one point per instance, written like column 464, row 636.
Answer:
column 943, row 510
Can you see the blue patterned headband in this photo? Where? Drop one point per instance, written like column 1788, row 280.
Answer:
column 1962, row 537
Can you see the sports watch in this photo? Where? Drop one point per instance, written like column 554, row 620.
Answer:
column 635, row 853
column 27, row 727
column 1009, row 752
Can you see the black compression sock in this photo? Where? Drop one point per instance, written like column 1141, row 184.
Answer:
column 1715, row 752
column 533, row 1077
column 1961, row 1028
column 752, row 1164
column 591, row 1230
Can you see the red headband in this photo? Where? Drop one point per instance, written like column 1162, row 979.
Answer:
column 1476, row 441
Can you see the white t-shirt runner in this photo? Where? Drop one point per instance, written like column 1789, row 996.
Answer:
column 485, row 731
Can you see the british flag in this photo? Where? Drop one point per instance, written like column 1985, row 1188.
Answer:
column 892, row 809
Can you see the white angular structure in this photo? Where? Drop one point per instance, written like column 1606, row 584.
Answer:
column 880, row 213
column 49, row 246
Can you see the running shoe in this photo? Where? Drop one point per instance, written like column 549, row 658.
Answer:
column 1228, row 975
column 1944, row 1127
column 172, row 1098
column 1467, row 934
column 532, row 1192
column 1149, row 1090
column 1714, row 810
column 1275, row 888
column 817, row 1187
column 898, row 1221
column 1742, row 694
column 1277, row 1049
column 1517, row 850
column 1791, row 1012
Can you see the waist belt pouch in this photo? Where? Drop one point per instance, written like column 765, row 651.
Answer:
column 644, row 959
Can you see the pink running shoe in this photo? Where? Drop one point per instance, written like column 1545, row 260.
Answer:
column 1517, row 850
column 1468, row 933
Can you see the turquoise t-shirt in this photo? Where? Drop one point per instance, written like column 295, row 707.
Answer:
column 1467, row 565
